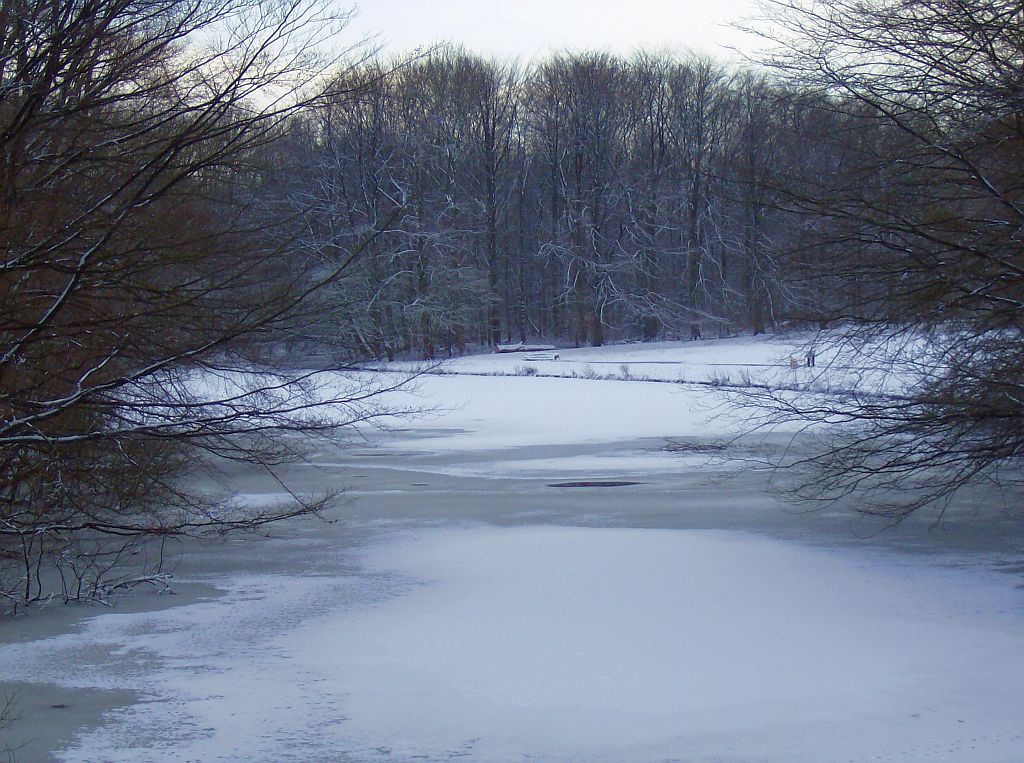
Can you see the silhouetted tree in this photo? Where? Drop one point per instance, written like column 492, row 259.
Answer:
column 142, row 276
column 917, row 217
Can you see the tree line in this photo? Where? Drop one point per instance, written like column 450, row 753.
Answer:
column 587, row 198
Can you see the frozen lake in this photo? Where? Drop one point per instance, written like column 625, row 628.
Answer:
column 463, row 608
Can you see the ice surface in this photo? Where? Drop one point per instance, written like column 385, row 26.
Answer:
column 560, row 643
column 569, row 644
column 501, row 412
column 572, row 644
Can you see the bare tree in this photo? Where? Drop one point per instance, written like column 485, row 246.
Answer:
column 919, row 214
column 698, row 129
column 493, row 107
column 143, row 276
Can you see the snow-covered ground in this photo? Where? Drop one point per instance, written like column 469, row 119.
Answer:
column 465, row 609
column 780, row 360
column 721, row 360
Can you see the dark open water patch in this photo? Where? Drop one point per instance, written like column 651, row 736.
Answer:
column 594, row 483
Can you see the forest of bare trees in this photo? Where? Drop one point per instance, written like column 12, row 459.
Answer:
column 588, row 198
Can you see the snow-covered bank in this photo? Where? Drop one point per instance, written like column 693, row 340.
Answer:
column 663, row 360
column 695, row 361
column 816, row 362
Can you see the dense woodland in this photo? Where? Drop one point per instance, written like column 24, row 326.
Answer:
column 584, row 199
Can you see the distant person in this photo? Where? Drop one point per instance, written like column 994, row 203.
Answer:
column 810, row 358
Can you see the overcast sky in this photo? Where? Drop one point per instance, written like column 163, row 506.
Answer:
column 523, row 29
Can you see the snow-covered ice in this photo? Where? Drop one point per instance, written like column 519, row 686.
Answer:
column 386, row 638
column 481, row 413
column 601, row 644
column 569, row 644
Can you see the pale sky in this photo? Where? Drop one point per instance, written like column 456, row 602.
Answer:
column 524, row 29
